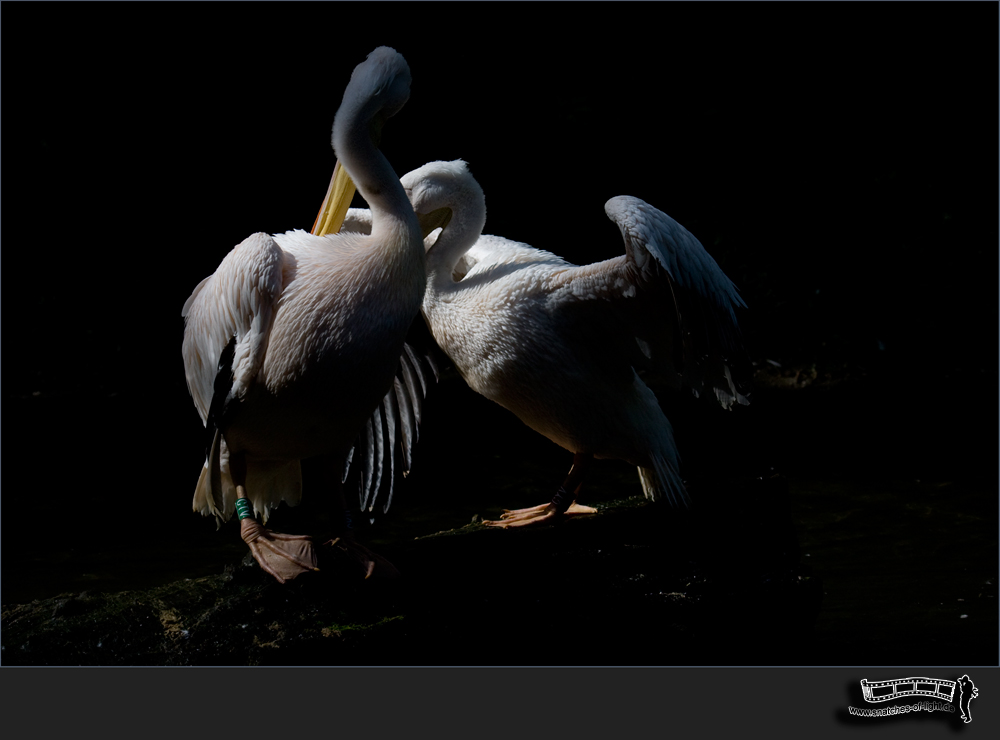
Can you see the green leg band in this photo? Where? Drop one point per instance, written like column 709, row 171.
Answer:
column 244, row 509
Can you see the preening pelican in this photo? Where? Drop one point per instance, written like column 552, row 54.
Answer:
column 295, row 339
column 559, row 344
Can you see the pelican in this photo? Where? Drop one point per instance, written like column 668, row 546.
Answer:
column 559, row 344
column 295, row 339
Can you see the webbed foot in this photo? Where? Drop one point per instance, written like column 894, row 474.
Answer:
column 284, row 556
column 371, row 563
column 535, row 515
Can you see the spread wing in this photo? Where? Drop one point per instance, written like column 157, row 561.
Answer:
column 384, row 451
column 673, row 298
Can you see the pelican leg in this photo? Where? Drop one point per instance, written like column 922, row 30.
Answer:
column 284, row 556
column 370, row 562
column 563, row 504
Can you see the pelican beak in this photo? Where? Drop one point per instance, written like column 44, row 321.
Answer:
column 434, row 220
column 341, row 191
column 335, row 204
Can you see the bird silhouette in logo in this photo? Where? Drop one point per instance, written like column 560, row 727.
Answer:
column 967, row 692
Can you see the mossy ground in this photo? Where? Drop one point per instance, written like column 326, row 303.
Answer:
column 635, row 584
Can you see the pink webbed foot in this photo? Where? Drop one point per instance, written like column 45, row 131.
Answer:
column 371, row 563
column 541, row 514
column 557, row 509
column 284, row 556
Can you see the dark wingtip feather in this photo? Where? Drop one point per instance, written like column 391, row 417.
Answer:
column 221, row 387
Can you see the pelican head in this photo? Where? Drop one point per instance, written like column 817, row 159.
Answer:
column 378, row 89
column 439, row 190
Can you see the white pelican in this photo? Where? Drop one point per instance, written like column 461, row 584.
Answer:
column 559, row 344
column 294, row 340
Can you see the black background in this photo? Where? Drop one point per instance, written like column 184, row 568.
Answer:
column 838, row 160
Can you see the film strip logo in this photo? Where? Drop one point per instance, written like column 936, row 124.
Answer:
column 898, row 688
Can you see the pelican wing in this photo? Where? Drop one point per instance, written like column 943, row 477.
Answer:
column 386, row 445
column 674, row 298
column 238, row 300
